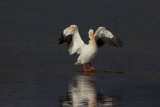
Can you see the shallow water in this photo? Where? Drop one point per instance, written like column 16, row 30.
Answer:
column 49, row 88
column 35, row 71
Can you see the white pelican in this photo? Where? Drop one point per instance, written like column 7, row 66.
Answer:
column 87, row 51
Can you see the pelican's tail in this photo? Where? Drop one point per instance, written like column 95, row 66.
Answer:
column 78, row 63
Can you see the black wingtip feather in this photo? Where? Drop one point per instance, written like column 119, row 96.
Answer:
column 61, row 39
column 110, row 41
column 64, row 38
column 118, row 42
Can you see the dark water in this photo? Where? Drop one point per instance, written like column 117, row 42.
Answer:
column 36, row 72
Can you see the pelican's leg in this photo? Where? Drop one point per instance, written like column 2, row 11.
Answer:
column 91, row 67
column 85, row 68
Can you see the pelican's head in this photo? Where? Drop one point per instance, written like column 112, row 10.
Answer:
column 91, row 36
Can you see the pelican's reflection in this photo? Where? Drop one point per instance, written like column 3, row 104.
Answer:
column 83, row 93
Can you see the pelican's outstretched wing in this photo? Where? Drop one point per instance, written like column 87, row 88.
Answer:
column 103, row 36
column 73, row 39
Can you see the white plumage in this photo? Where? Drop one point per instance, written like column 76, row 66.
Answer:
column 76, row 42
column 87, row 51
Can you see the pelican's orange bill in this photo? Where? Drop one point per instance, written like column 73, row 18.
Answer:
column 93, row 39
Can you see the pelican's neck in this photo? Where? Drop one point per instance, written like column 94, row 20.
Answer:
column 92, row 42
